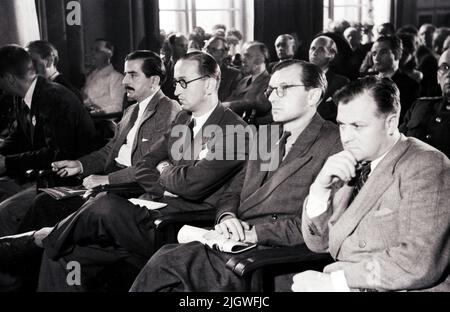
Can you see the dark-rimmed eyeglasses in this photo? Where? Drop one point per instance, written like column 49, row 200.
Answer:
column 281, row 89
column 183, row 83
column 443, row 69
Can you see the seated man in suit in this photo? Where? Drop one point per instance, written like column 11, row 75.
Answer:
column 248, row 100
column 322, row 52
column 103, row 91
column 193, row 164
column 386, row 54
column 230, row 77
column 429, row 118
column 380, row 207
column 142, row 125
column 286, row 47
column 263, row 207
column 52, row 124
column 45, row 59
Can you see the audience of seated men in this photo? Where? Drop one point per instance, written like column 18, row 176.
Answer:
column 263, row 204
column 286, row 47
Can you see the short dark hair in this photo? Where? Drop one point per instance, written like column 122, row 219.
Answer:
column 207, row 65
column 45, row 49
column 261, row 47
column 312, row 75
column 383, row 90
column 108, row 44
column 15, row 60
column 152, row 64
column 395, row 43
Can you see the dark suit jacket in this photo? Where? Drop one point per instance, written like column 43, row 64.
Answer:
column 155, row 122
column 327, row 108
column 409, row 91
column 63, row 130
column 275, row 207
column 394, row 234
column 246, row 98
column 64, row 82
column 230, row 77
column 190, row 176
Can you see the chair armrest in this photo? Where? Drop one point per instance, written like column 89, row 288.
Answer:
column 198, row 217
column 248, row 262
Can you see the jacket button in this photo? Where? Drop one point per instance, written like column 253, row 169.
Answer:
column 274, row 217
column 362, row 244
column 428, row 136
column 447, row 107
column 438, row 119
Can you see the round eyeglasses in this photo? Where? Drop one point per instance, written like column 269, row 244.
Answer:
column 281, row 89
column 183, row 83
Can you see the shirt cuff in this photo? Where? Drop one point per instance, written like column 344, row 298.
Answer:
column 316, row 205
column 339, row 281
column 219, row 219
column 81, row 165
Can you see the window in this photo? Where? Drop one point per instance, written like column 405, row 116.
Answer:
column 183, row 15
column 351, row 10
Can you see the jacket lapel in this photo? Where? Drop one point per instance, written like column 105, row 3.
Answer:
column 379, row 180
column 297, row 157
column 148, row 113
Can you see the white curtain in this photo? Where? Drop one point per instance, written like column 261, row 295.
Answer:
column 18, row 22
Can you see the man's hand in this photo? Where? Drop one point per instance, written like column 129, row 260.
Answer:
column 237, row 230
column 95, row 180
column 162, row 165
column 312, row 281
column 67, row 168
column 2, row 165
column 339, row 167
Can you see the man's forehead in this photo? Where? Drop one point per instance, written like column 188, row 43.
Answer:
column 381, row 45
column 288, row 75
column 445, row 58
column 134, row 65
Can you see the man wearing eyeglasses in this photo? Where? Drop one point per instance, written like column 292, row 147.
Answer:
column 230, row 77
column 188, row 170
column 429, row 117
column 260, row 206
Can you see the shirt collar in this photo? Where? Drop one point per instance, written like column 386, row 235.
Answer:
column 144, row 103
column 29, row 95
column 374, row 163
column 200, row 120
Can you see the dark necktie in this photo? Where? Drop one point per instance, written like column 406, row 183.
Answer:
column 27, row 119
column 277, row 154
column 133, row 119
column 191, row 126
column 249, row 81
column 362, row 174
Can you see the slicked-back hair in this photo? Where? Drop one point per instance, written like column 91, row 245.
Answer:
column 15, row 60
column 218, row 38
column 152, row 64
column 383, row 90
column 45, row 49
column 395, row 43
column 261, row 47
column 108, row 44
column 312, row 76
column 207, row 65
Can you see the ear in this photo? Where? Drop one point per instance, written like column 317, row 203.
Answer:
column 314, row 96
column 155, row 80
column 391, row 123
column 211, row 85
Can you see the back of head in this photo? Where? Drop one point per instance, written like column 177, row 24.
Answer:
column 45, row 50
column 386, row 29
column 152, row 64
column 383, row 90
column 15, row 60
column 311, row 75
column 439, row 37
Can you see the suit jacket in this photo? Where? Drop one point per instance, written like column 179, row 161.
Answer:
column 155, row 122
column 275, row 207
column 230, row 78
column 327, row 108
column 409, row 91
column 64, row 82
column 62, row 129
column 246, row 98
column 394, row 235
column 191, row 176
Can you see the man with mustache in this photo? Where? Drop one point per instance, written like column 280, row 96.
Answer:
column 188, row 177
column 380, row 207
column 141, row 127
